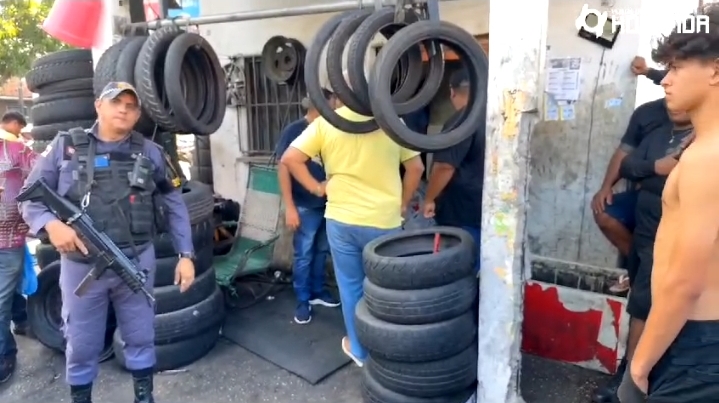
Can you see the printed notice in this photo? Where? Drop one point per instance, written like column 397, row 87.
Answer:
column 563, row 78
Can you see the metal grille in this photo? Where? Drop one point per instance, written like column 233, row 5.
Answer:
column 270, row 107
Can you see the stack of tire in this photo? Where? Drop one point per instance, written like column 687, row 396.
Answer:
column 63, row 81
column 201, row 169
column 398, row 83
column 178, row 78
column 417, row 318
column 187, row 325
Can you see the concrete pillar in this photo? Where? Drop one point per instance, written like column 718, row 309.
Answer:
column 105, row 38
column 517, row 41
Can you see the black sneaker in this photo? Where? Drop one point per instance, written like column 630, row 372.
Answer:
column 303, row 313
column 608, row 392
column 325, row 299
column 21, row 329
column 7, row 368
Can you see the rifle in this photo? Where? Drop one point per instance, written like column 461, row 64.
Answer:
column 107, row 254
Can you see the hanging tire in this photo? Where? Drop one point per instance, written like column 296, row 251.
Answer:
column 117, row 63
column 105, row 69
column 150, row 60
column 335, row 71
column 418, row 307
column 406, row 260
column 431, row 379
column 374, row 392
column 414, row 343
column 468, row 50
column 59, row 66
column 44, row 313
column 182, row 49
column 383, row 22
column 312, row 79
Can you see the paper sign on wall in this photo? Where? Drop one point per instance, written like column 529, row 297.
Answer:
column 563, row 78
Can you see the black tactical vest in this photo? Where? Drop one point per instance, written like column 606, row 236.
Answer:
column 126, row 214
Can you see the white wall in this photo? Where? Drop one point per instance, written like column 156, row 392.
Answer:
column 568, row 158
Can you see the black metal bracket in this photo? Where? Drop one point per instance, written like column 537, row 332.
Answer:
column 429, row 9
column 432, row 10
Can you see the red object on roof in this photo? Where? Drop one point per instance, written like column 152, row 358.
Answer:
column 76, row 23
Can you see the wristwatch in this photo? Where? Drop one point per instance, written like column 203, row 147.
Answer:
column 187, row 255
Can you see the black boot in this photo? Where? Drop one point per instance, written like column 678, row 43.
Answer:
column 81, row 393
column 608, row 392
column 142, row 382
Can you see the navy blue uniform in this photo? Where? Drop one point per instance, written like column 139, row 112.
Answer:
column 85, row 317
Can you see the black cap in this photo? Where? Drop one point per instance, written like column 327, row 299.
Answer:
column 113, row 90
column 458, row 79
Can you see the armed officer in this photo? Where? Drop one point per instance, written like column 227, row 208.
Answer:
column 97, row 169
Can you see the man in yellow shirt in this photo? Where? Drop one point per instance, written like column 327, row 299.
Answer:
column 366, row 198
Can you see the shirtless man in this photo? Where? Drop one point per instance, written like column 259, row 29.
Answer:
column 677, row 358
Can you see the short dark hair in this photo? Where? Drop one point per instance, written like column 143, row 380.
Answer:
column 14, row 116
column 307, row 102
column 459, row 79
column 679, row 45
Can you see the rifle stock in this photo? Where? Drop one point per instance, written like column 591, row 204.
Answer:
column 106, row 253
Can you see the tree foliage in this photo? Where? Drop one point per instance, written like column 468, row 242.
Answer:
column 22, row 39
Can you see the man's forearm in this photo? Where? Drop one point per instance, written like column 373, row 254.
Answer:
column 666, row 319
column 635, row 169
column 656, row 75
column 179, row 222
column 438, row 180
column 410, row 183
column 612, row 175
column 283, row 175
column 302, row 174
column 679, row 291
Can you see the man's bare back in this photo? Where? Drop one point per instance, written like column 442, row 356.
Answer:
column 691, row 183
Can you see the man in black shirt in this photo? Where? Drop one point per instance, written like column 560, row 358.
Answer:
column 614, row 213
column 648, row 166
column 454, row 192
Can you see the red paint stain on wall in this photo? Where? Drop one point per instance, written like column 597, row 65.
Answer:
column 552, row 331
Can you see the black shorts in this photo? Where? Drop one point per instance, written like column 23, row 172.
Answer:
column 640, row 296
column 688, row 372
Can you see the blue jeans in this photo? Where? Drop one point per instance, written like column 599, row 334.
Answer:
column 11, row 271
column 347, row 243
column 311, row 250
column 476, row 235
column 19, row 308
